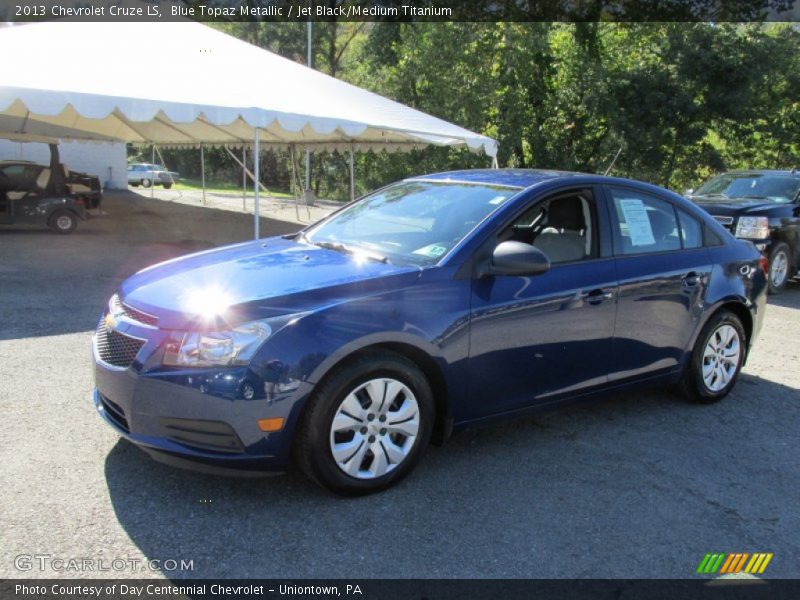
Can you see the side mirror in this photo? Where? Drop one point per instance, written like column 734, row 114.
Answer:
column 517, row 258
column 689, row 192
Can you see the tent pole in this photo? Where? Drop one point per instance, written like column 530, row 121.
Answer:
column 352, row 177
column 294, row 183
column 308, row 64
column 256, row 155
column 203, row 171
column 244, row 179
column 152, row 162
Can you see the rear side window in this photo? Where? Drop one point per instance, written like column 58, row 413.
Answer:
column 643, row 224
column 691, row 230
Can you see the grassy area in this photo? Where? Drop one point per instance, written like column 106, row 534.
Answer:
column 216, row 187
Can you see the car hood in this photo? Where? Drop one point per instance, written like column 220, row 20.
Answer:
column 260, row 279
column 734, row 206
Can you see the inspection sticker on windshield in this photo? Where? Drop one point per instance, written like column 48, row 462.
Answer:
column 431, row 251
column 498, row 200
column 639, row 228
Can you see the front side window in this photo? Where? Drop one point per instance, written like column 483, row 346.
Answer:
column 643, row 223
column 412, row 221
column 562, row 227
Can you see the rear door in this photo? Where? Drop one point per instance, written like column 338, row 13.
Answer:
column 663, row 272
column 533, row 338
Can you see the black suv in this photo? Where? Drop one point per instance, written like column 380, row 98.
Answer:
column 763, row 207
column 30, row 194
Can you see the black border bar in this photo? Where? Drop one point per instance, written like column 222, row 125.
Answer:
column 399, row 589
column 402, row 10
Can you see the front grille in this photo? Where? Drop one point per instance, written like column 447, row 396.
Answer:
column 213, row 436
column 135, row 315
column 115, row 413
column 115, row 348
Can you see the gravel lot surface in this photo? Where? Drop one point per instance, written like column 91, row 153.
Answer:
column 634, row 485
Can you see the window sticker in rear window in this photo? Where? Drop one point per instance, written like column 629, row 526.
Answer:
column 640, row 231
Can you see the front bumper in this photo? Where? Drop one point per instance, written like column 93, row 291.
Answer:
column 197, row 418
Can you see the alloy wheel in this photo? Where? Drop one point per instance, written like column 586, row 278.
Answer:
column 374, row 429
column 63, row 222
column 779, row 268
column 721, row 358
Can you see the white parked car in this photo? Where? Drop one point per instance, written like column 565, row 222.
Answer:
column 147, row 174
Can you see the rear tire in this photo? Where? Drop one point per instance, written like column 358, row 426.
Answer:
column 366, row 426
column 146, row 183
column 716, row 360
column 63, row 222
column 780, row 268
column 167, row 186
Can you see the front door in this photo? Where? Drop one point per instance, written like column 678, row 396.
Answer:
column 535, row 338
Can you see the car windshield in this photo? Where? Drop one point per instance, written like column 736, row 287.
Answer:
column 773, row 188
column 412, row 221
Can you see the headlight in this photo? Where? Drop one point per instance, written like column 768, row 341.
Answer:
column 235, row 346
column 752, row 228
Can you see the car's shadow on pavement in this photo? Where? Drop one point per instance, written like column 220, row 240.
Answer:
column 633, row 475
column 790, row 298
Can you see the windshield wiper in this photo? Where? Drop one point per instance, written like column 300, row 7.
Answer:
column 714, row 195
column 345, row 249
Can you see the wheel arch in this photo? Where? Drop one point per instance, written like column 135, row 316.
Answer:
column 60, row 207
column 421, row 357
column 737, row 306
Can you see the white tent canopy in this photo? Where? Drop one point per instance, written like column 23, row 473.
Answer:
column 186, row 84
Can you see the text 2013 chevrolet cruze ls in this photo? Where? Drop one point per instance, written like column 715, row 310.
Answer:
column 434, row 303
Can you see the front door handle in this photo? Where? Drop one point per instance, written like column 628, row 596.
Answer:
column 597, row 296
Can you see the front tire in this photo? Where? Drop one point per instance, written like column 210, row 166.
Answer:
column 63, row 222
column 780, row 268
column 716, row 360
column 167, row 186
column 366, row 426
column 146, row 183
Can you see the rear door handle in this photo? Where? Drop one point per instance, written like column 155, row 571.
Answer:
column 597, row 296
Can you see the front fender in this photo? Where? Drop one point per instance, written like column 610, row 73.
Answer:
column 432, row 317
column 63, row 204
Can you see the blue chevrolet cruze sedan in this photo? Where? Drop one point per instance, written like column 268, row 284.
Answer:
column 435, row 303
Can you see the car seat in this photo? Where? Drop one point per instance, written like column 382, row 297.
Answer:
column 563, row 240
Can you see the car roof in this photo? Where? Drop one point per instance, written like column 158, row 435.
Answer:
column 518, row 178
